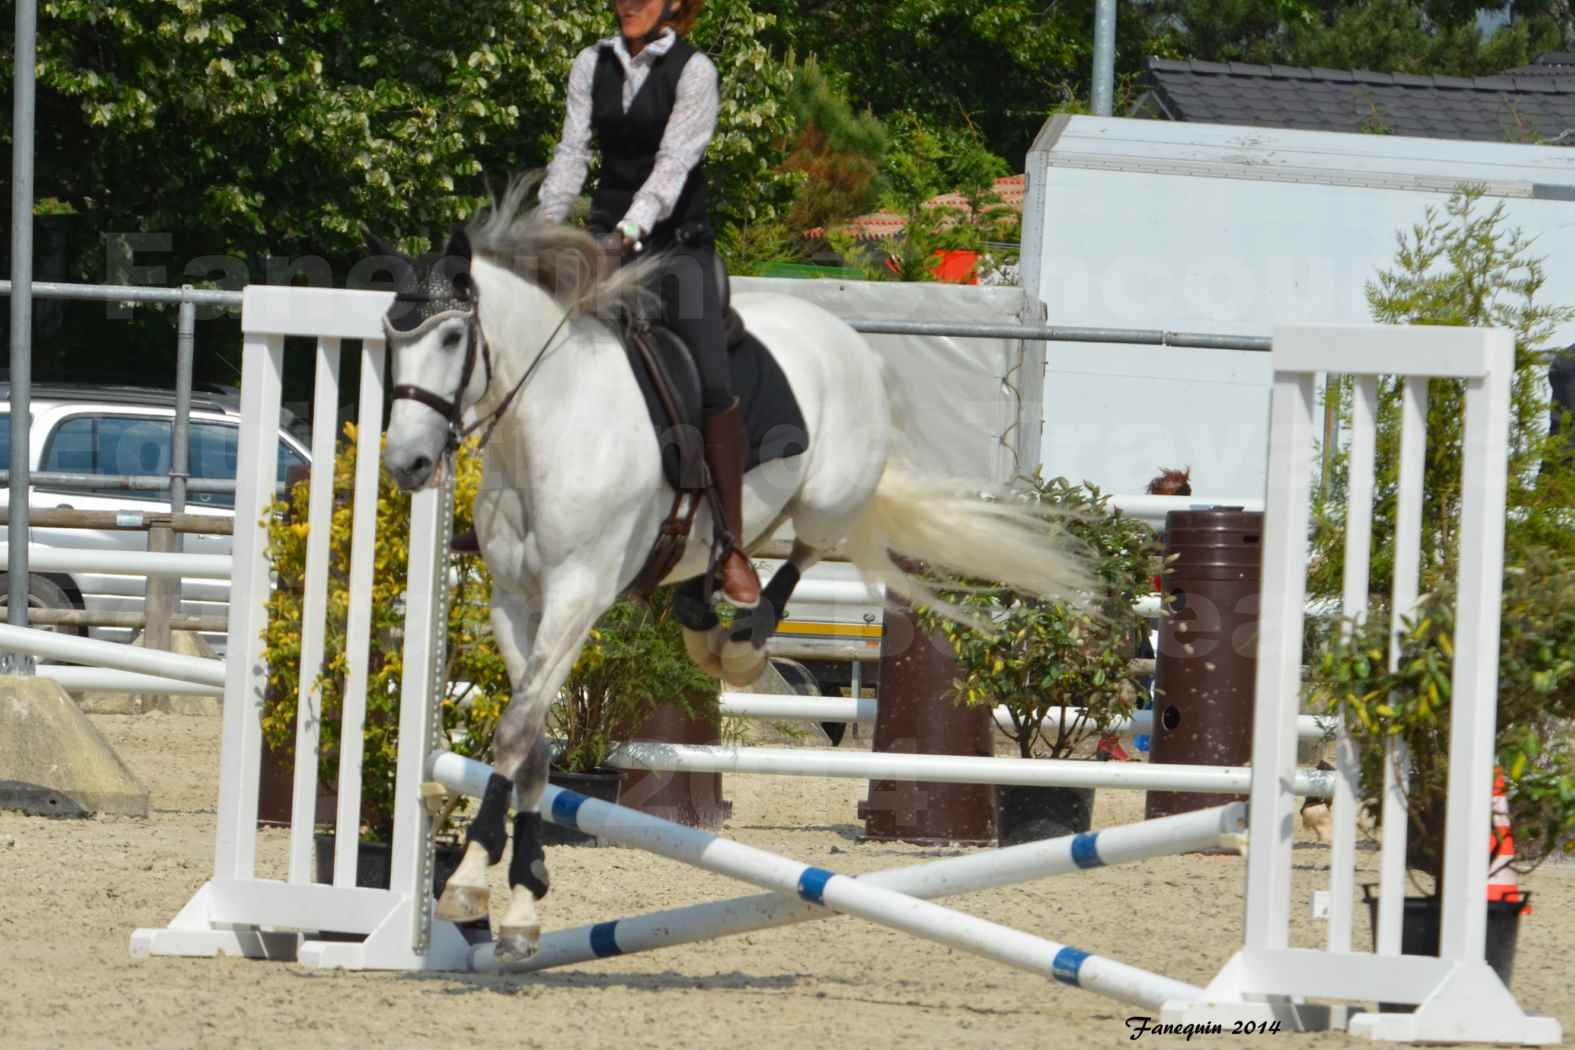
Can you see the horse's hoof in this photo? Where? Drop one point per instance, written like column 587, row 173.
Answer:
column 702, row 649
column 463, row 903
column 517, row 944
column 742, row 664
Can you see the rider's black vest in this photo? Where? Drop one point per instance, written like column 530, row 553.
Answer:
column 628, row 142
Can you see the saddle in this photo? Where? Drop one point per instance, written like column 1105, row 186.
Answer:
column 670, row 383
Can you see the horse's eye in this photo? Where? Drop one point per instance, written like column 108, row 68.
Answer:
column 451, row 340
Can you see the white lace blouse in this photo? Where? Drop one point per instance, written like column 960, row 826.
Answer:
column 689, row 131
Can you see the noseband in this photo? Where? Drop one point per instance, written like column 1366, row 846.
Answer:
column 447, row 407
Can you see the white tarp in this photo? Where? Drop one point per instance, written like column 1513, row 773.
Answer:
column 959, row 392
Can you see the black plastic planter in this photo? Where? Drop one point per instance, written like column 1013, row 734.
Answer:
column 1030, row 814
column 1419, row 933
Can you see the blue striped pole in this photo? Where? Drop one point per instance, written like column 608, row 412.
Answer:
column 841, row 893
column 1165, row 836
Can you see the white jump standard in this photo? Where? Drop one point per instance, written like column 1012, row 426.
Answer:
column 1459, row 997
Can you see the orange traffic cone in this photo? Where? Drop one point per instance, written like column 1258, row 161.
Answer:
column 1503, row 885
column 1110, row 749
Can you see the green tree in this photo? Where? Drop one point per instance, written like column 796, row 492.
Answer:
column 998, row 66
column 1462, row 265
column 744, row 175
column 835, row 153
column 223, row 142
column 1405, row 36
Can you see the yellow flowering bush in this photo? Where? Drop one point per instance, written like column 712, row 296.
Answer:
column 479, row 684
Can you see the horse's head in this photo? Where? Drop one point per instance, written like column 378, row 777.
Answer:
column 439, row 365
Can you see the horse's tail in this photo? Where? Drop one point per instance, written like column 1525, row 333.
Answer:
column 965, row 529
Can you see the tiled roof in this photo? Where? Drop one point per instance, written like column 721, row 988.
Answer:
column 1514, row 107
column 1552, row 64
column 881, row 224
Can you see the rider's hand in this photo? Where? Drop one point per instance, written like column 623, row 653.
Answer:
column 612, row 247
column 630, row 231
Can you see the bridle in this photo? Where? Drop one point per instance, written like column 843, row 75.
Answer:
column 469, row 309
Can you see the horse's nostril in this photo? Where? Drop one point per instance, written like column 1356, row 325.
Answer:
column 420, row 466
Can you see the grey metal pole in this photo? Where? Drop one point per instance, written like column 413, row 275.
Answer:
column 162, row 597
column 1104, row 89
column 180, row 442
column 21, row 319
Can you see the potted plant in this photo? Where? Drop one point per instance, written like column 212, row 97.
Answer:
column 632, row 670
column 1465, row 268
column 1411, row 705
column 1064, row 675
column 469, row 710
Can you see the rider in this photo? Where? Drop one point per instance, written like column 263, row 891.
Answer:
column 648, row 100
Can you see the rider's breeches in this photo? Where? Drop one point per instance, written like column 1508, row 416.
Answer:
column 692, row 305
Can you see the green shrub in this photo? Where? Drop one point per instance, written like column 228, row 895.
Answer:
column 468, row 714
column 1045, row 657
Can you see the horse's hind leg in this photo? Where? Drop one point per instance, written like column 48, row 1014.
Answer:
column 702, row 630
column 743, row 657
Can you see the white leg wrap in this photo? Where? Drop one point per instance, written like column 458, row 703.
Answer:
column 703, row 647
column 742, row 663
column 519, row 934
column 466, row 896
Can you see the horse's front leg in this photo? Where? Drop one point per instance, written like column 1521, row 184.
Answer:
column 466, row 895
column 571, row 603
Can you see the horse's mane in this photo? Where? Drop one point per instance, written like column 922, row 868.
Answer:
column 565, row 261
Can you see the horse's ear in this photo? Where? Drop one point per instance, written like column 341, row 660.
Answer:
column 458, row 243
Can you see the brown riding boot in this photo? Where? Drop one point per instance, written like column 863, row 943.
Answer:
column 724, row 454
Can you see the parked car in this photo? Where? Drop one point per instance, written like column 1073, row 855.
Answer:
column 111, row 431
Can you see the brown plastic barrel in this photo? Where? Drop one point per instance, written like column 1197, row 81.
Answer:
column 917, row 715
column 1208, row 648
column 694, row 799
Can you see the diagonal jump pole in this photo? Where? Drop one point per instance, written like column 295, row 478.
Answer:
column 792, row 883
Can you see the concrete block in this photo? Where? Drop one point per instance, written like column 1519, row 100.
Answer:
column 48, row 746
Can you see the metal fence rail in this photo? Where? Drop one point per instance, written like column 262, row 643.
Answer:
column 1050, row 333
column 164, row 563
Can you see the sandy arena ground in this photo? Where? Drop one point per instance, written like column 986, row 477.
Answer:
column 75, row 890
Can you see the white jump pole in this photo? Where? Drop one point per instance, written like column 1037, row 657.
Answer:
column 858, row 897
column 200, row 670
column 951, row 769
column 842, row 709
column 126, row 563
column 105, row 679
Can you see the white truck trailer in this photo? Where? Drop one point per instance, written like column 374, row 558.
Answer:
column 1151, row 224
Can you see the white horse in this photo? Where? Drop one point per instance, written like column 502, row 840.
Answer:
column 502, row 332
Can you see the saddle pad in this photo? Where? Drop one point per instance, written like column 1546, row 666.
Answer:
column 773, row 423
